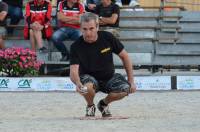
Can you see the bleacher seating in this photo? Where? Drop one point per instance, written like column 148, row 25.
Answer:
column 152, row 38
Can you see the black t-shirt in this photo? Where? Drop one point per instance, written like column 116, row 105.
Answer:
column 107, row 12
column 96, row 59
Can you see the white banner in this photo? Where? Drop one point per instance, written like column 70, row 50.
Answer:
column 36, row 84
column 188, row 82
column 65, row 84
column 153, row 83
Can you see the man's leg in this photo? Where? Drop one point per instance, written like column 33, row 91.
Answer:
column 75, row 34
column 89, row 96
column 91, row 84
column 38, row 38
column 117, row 87
column 2, row 34
column 15, row 14
column 58, row 37
column 32, row 39
column 1, row 42
column 114, row 97
column 119, row 3
column 103, row 103
column 134, row 3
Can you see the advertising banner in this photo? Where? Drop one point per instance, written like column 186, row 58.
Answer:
column 153, row 83
column 188, row 82
column 65, row 84
column 36, row 84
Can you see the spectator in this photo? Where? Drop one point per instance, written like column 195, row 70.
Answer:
column 38, row 17
column 15, row 13
column 68, row 15
column 91, row 65
column 108, row 13
column 3, row 13
column 133, row 3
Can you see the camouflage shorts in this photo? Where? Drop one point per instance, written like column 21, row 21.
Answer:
column 116, row 84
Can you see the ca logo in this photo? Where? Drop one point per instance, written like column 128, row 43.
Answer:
column 24, row 83
column 4, row 83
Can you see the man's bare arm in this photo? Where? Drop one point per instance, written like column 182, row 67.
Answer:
column 109, row 20
column 129, row 68
column 68, row 19
column 3, row 15
column 74, row 76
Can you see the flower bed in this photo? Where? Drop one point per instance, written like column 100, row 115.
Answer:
column 19, row 62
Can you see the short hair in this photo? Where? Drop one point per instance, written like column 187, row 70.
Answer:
column 88, row 16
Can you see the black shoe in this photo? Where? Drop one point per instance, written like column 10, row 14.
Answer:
column 64, row 58
column 43, row 50
column 90, row 110
column 104, row 109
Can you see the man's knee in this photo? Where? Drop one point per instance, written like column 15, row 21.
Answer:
column 54, row 36
column 118, row 84
column 90, row 86
column 124, row 88
column 75, row 35
column 89, row 80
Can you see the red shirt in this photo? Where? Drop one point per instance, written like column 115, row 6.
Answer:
column 38, row 12
column 75, row 10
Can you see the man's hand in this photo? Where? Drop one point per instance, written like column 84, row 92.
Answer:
column 79, row 89
column 37, row 26
column 91, row 6
column 132, row 88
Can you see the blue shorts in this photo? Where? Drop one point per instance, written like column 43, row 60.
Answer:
column 116, row 84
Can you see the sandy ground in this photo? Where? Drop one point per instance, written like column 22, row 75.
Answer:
column 167, row 111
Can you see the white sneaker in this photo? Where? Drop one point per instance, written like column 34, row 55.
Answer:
column 90, row 111
column 134, row 3
column 119, row 4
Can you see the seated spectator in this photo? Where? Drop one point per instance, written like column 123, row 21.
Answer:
column 68, row 15
column 108, row 13
column 3, row 13
column 133, row 3
column 15, row 13
column 38, row 17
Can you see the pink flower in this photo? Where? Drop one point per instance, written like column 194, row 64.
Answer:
column 21, row 65
column 23, row 58
column 20, row 61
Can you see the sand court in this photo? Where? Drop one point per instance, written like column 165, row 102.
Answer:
column 152, row 111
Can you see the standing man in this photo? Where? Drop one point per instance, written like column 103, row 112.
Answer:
column 68, row 15
column 15, row 13
column 91, row 65
column 3, row 14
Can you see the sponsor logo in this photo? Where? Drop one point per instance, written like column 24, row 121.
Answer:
column 4, row 83
column 45, row 85
column 69, row 86
column 24, row 83
column 105, row 50
column 187, row 84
